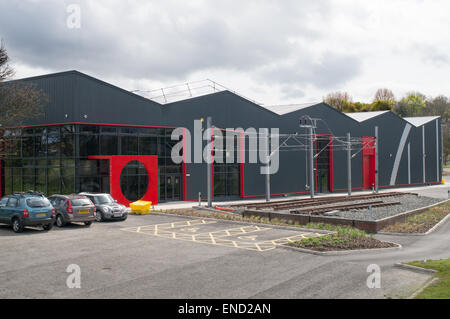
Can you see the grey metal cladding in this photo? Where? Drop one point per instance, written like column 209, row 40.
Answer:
column 72, row 95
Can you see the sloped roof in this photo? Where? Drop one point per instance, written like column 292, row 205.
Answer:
column 289, row 108
column 364, row 116
column 419, row 121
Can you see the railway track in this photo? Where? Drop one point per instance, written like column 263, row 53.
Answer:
column 322, row 210
column 298, row 203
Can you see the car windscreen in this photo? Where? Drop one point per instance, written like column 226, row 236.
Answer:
column 103, row 199
column 38, row 202
column 81, row 202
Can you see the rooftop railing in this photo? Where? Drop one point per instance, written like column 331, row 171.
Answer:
column 185, row 91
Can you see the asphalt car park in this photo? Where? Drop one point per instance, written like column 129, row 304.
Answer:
column 126, row 259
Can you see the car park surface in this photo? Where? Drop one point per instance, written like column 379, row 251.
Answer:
column 116, row 263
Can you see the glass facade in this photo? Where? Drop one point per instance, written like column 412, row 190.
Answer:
column 226, row 166
column 54, row 159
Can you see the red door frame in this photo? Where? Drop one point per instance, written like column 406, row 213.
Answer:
column 368, row 170
column 117, row 164
column 241, row 168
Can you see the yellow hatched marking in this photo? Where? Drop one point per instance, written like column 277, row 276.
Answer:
column 217, row 238
column 212, row 238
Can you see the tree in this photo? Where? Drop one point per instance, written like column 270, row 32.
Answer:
column 5, row 69
column 411, row 105
column 438, row 106
column 18, row 100
column 341, row 101
column 384, row 95
column 382, row 105
column 384, row 100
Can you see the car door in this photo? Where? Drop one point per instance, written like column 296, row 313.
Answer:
column 59, row 206
column 3, row 209
column 56, row 203
column 12, row 208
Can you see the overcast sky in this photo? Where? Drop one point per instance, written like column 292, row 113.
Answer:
column 276, row 52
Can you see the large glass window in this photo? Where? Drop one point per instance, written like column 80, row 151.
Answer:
column 134, row 181
column 28, row 146
column 68, row 176
column 129, row 145
column 68, row 141
column 109, row 145
column 54, row 141
column 89, row 145
column 54, row 180
column 40, row 141
column 226, row 175
column 148, row 145
column 46, row 159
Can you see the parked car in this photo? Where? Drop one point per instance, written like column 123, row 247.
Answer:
column 26, row 209
column 72, row 209
column 107, row 207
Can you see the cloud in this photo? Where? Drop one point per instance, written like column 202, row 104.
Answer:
column 274, row 52
column 327, row 71
column 158, row 39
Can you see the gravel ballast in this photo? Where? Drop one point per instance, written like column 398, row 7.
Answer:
column 407, row 203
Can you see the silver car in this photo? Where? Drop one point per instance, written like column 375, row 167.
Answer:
column 107, row 207
column 72, row 209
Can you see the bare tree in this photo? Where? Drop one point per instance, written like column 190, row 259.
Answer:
column 439, row 106
column 19, row 100
column 339, row 100
column 6, row 71
column 384, row 95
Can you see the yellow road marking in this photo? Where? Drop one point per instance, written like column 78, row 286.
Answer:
column 219, row 237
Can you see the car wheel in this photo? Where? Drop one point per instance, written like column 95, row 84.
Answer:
column 17, row 225
column 60, row 221
column 88, row 223
column 124, row 218
column 99, row 216
column 48, row 227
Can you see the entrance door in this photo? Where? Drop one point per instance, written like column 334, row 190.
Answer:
column 368, row 162
column 368, row 171
column 323, row 161
column 322, row 181
column 172, row 187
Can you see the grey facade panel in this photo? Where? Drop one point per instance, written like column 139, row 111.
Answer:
column 75, row 97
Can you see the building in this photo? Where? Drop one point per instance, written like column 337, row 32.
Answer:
column 97, row 137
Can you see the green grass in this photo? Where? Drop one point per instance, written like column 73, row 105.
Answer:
column 345, row 238
column 441, row 288
column 344, row 231
column 422, row 222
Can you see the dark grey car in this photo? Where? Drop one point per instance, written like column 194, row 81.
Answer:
column 107, row 207
column 72, row 209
